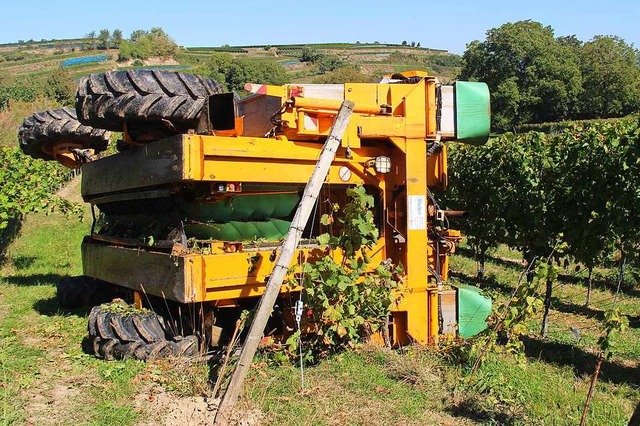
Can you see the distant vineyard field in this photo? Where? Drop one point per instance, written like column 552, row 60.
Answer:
column 216, row 49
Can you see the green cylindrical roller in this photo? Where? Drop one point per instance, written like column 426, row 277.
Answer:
column 243, row 207
column 271, row 230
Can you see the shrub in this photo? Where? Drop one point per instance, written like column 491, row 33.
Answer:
column 346, row 300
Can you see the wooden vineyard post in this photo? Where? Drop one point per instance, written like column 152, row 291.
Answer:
column 594, row 379
column 265, row 305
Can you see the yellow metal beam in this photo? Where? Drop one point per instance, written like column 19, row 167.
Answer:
column 330, row 105
column 417, row 239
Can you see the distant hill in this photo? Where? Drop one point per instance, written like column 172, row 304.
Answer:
column 79, row 57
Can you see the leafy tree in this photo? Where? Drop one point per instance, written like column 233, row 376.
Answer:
column 103, row 39
column 91, row 40
column 145, row 44
column 571, row 41
column 611, row 78
column 127, row 51
column 404, row 42
column 328, row 63
column 234, row 73
column 160, row 43
column 116, row 38
column 309, row 54
column 137, row 35
column 533, row 77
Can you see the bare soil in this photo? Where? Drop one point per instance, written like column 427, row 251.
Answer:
column 58, row 388
column 154, row 61
column 166, row 408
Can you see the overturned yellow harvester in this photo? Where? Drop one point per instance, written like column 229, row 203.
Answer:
column 196, row 217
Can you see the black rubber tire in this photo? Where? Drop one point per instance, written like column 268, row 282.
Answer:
column 82, row 291
column 41, row 130
column 143, row 336
column 162, row 103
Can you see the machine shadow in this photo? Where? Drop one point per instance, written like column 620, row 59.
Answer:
column 34, row 279
column 51, row 307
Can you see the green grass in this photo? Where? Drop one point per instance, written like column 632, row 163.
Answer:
column 539, row 393
column 46, row 378
column 43, row 365
column 567, row 307
column 372, row 386
column 549, row 387
column 357, row 387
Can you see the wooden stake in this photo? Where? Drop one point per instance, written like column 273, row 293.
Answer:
column 592, row 386
column 268, row 299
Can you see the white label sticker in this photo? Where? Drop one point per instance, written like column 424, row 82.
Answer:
column 417, row 212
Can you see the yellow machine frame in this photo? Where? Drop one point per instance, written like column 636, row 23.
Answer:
column 390, row 120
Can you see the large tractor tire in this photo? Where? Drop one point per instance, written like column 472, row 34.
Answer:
column 153, row 104
column 135, row 334
column 83, row 291
column 42, row 131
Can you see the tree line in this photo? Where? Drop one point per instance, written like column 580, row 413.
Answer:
column 141, row 44
column 536, row 77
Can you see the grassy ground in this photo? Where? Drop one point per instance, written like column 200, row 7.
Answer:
column 419, row 386
column 47, row 379
column 568, row 304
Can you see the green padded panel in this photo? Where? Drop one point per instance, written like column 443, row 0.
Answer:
column 473, row 112
column 473, row 310
column 243, row 207
column 270, row 230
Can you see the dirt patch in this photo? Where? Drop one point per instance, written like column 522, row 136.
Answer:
column 51, row 400
column 160, row 407
column 153, row 61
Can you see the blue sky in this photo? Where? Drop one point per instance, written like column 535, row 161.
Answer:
column 443, row 24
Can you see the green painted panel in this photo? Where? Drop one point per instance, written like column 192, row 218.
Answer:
column 473, row 310
column 473, row 112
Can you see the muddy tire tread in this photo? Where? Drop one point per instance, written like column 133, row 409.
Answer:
column 54, row 125
column 141, row 336
column 110, row 99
